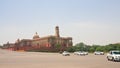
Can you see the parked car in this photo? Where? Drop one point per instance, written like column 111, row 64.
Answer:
column 114, row 55
column 80, row 53
column 76, row 53
column 98, row 53
column 86, row 53
column 65, row 53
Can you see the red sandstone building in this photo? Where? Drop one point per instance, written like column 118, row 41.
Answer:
column 48, row 43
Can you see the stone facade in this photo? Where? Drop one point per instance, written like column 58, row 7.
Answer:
column 48, row 43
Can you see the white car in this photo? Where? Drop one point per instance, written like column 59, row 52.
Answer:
column 98, row 53
column 65, row 53
column 76, row 53
column 80, row 53
column 114, row 55
column 86, row 53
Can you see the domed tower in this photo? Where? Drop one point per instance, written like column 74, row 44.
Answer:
column 17, row 41
column 36, row 36
column 57, row 31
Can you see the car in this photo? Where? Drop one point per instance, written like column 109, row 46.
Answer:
column 99, row 53
column 113, row 55
column 86, row 53
column 81, row 53
column 65, row 53
column 76, row 53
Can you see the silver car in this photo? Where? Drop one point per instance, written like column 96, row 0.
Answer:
column 65, row 53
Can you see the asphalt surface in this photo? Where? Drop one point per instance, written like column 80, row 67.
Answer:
column 11, row 59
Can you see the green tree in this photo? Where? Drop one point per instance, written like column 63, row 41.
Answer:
column 57, row 46
column 71, row 49
column 82, row 47
column 100, row 48
column 91, row 49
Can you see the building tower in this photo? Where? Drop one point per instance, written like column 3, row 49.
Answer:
column 36, row 36
column 17, row 41
column 57, row 31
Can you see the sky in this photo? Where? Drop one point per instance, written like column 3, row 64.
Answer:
column 89, row 21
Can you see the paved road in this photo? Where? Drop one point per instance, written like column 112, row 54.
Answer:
column 10, row 59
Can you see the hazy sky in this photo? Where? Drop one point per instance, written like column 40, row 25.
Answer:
column 88, row 21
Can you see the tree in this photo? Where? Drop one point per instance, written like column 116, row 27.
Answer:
column 100, row 48
column 82, row 47
column 91, row 49
column 71, row 49
column 57, row 46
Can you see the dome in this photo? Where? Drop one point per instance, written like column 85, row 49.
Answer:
column 36, row 36
column 17, row 41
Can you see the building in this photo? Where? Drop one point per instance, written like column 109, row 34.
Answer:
column 48, row 43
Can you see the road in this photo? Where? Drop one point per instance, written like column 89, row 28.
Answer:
column 11, row 59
